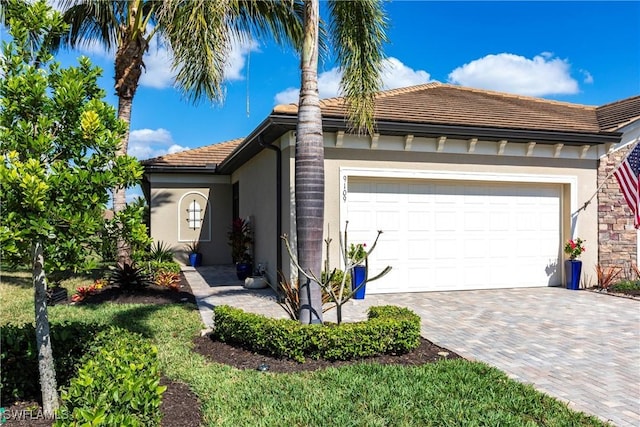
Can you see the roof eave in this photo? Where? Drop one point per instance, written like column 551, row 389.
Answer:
column 213, row 168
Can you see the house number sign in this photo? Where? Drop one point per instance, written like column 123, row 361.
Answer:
column 344, row 188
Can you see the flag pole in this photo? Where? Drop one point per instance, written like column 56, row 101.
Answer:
column 584, row 206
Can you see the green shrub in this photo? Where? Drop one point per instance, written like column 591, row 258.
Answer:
column 118, row 383
column 626, row 285
column 19, row 356
column 156, row 267
column 388, row 329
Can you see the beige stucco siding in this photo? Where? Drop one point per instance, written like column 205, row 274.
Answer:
column 572, row 168
column 171, row 195
column 257, row 185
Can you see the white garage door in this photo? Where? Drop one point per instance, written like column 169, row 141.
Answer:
column 444, row 235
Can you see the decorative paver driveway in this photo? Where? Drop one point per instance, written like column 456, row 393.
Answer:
column 578, row 346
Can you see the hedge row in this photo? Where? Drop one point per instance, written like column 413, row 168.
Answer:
column 19, row 356
column 389, row 329
column 118, row 384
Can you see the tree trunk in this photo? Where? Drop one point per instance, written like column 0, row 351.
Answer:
column 48, row 385
column 309, row 171
column 128, row 69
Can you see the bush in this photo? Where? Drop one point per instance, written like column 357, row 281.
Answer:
column 155, row 267
column 118, row 383
column 389, row 329
column 626, row 285
column 19, row 356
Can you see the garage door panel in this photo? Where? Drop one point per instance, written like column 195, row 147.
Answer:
column 457, row 235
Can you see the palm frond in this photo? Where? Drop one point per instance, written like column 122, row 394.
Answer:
column 197, row 31
column 93, row 21
column 277, row 19
column 358, row 31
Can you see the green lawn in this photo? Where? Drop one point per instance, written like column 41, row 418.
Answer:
column 451, row 392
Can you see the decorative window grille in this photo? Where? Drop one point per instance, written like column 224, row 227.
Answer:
column 194, row 215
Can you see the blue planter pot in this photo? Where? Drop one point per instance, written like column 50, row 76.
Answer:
column 572, row 270
column 358, row 275
column 195, row 260
column 243, row 270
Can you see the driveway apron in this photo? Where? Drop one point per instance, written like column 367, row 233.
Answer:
column 580, row 347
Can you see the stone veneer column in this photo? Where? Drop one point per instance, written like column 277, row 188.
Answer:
column 617, row 236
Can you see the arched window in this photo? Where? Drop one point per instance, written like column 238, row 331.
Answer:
column 194, row 215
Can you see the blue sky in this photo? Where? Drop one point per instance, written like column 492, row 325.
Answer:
column 581, row 52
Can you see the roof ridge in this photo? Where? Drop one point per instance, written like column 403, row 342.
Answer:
column 408, row 89
column 522, row 97
column 619, row 101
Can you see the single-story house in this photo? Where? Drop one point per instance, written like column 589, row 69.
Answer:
column 473, row 189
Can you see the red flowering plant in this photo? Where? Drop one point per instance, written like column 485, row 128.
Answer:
column 574, row 248
column 83, row 291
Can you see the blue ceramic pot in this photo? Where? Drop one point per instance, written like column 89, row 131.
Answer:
column 358, row 275
column 572, row 270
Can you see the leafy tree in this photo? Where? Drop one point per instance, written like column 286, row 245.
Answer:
column 357, row 31
column 58, row 161
column 199, row 32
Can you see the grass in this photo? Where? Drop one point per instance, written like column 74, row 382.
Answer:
column 451, row 392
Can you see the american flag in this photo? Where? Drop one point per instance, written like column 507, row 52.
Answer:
column 627, row 176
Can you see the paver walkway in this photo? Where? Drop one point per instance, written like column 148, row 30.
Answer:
column 580, row 347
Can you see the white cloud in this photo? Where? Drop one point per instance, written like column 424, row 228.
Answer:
column 588, row 78
column 288, row 96
column 148, row 143
column 542, row 75
column 394, row 75
column 157, row 72
column 240, row 50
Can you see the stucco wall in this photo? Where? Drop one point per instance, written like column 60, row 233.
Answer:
column 168, row 217
column 578, row 176
column 257, row 185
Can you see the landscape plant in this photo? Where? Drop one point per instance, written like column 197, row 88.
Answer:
column 58, row 161
column 574, row 248
column 332, row 291
column 117, row 384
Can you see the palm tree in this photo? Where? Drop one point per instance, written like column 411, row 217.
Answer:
column 357, row 32
column 199, row 32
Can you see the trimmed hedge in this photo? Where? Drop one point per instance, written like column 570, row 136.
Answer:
column 19, row 356
column 389, row 329
column 118, row 384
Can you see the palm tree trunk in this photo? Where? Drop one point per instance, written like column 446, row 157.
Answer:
column 128, row 69
column 123, row 251
column 46, row 367
column 309, row 172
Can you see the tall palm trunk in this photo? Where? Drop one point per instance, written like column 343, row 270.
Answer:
column 43, row 337
column 128, row 70
column 309, row 171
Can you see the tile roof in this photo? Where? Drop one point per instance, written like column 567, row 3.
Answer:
column 450, row 105
column 618, row 114
column 197, row 157
column 445, row 104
